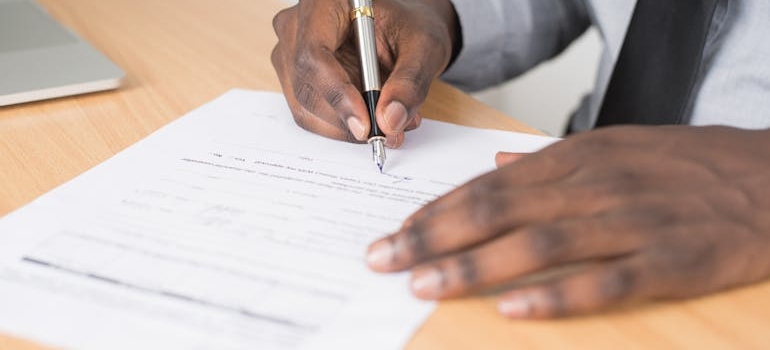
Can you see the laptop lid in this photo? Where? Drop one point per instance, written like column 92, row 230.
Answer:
column 41, row 59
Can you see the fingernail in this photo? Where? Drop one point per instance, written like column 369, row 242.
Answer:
column 395, row 116
column 519, row 307
column 358, row 129
column 380, row 256
column 427, row 284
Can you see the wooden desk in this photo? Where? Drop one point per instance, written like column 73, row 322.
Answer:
column 179, row 54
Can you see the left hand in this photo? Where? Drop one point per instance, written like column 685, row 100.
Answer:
column 661, row 212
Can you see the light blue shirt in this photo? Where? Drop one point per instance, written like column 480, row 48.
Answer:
column 504, row 38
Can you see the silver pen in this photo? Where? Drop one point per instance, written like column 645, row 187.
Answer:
column 363, row 22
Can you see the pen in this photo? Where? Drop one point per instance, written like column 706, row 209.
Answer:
column 363, row 21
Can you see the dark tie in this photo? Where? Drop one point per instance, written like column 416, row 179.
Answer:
column 658, row 65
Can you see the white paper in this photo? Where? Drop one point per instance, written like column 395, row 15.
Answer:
column 231, row 228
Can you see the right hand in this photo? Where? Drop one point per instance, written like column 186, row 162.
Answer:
column 317, row 64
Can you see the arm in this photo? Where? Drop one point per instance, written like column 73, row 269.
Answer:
column 502, row 38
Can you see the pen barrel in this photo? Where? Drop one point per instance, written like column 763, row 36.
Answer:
column 363, row 24
column 372, row 98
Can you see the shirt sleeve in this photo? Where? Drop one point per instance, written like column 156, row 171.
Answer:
column 504, row 38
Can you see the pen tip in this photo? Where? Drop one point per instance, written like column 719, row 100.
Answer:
column 378, row 151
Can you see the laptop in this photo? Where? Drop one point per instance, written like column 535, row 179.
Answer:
column 41, row 59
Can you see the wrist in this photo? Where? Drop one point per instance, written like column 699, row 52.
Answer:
column 448, row 14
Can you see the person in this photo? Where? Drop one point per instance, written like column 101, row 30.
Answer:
column 648, row 211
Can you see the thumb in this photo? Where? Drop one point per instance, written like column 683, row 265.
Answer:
column 402, row 96
column 408, row 84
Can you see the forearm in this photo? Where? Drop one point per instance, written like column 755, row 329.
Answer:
column 502, row 39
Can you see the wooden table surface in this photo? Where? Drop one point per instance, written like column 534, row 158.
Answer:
column 179, row 54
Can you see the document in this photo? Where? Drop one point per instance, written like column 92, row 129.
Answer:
column 231, row 228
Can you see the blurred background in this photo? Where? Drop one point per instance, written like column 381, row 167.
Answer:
column 546, row 96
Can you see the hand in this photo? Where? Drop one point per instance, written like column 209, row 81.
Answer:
column 656, row 212
column 317, row 63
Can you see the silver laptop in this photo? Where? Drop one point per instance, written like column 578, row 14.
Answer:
column 40, row 59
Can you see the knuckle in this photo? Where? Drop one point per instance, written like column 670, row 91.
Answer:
column 468, row 270
column 334, row 95
column 276, row 57
column 341, row 14
column 653, row 212
column 438, row 40
column 623, row 185
column 549, row 244
column 419, row 81
column 280, row 21
column 305, row 64
column 487, row 204
column 478, row 191
column 416, row 243
column 306, row 96
column 310, row 89
column 618, row 284
column 415, row 80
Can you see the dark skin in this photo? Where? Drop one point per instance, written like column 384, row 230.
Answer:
column 317, row 64
column 655, row 212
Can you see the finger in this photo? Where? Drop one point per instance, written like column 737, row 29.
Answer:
column 324, row 123
column 312, row 123
column 452, row 228
column 421, row 59
column 397, row 140
column 323, row 87
column 320, row 83
column 333, row 16
column 537, row 170
column 394, row 140
column 525, row 251
column 414, row 123
column 485, row 211
column 608, row 284
column 504, row 158
column 283, row 23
